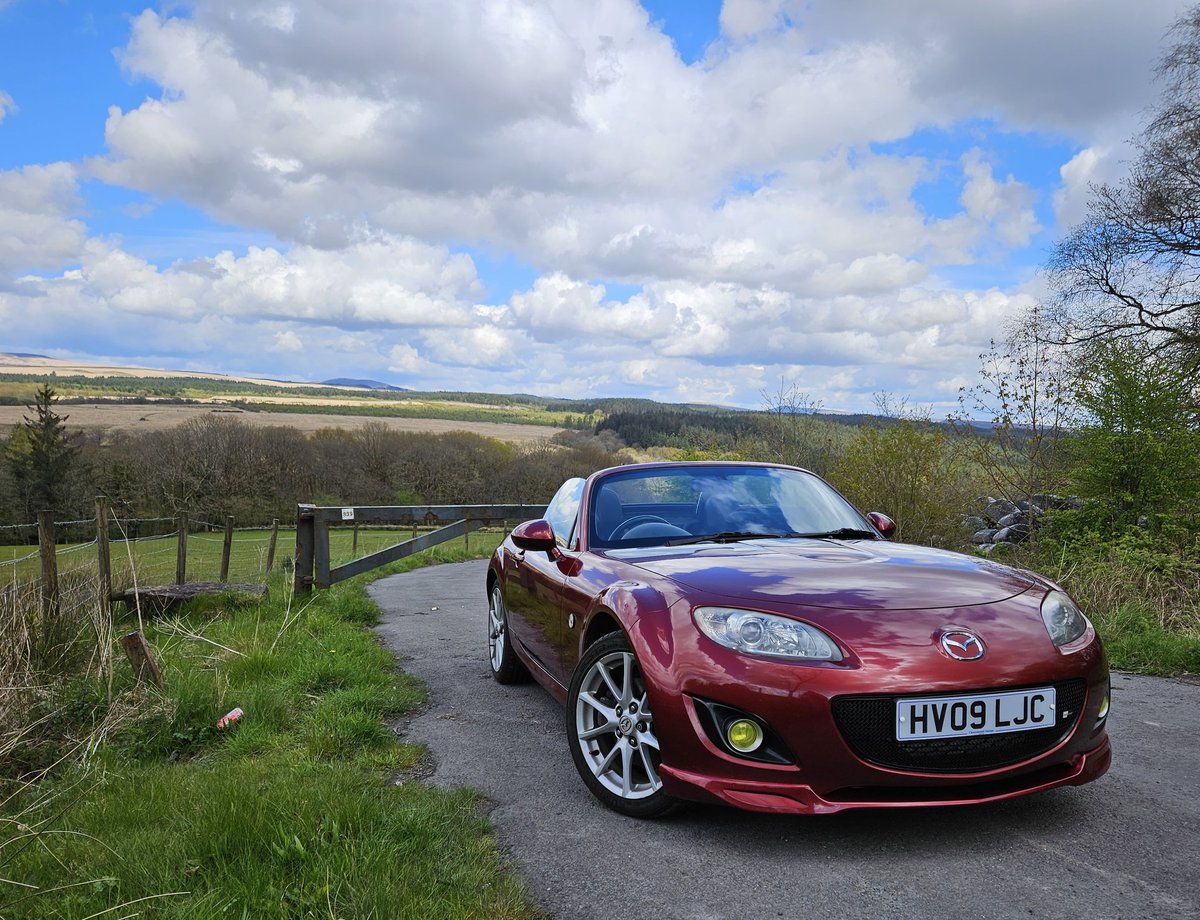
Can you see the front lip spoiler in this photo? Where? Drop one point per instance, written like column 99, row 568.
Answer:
column 798, row 799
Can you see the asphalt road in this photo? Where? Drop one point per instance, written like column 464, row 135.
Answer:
column 1126, row 846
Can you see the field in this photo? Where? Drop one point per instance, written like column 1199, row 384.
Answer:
column 30, row 364
column 156, row 416
column 99, row 397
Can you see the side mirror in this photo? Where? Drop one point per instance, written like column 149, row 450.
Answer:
column 881, row 522
column 535, row 535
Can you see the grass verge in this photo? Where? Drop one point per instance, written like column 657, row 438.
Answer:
column 302, row 809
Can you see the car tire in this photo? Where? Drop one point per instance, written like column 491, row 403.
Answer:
column 610, row 729
column 506, row 667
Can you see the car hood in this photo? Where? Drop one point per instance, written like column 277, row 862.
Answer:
column 838, row 574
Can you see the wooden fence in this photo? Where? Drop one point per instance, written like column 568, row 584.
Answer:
column 313, row 524
column 313, row 566
column 106, row 592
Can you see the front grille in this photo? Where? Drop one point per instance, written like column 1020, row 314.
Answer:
column 868, row 725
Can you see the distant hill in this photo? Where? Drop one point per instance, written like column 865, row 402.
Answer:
column 362, row 384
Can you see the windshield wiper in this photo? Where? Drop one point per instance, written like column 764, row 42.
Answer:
column 725, row 536
column 842, row 533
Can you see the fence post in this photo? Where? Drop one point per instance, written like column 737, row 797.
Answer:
column 226, row 549
column 181, row 551
column 104, row 559
column 321, row 555
column 354, row 542
column 145, row 668
column 306, row 539
column 271, row 545
column 49, row 576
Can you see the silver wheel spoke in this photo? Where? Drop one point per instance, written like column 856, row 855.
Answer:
column 598, row 732
column 603, row 766
column 626, row 696
column 597, row 729
column 648, row 766
column 608, row 712
column 607, row 678
column 626, row 768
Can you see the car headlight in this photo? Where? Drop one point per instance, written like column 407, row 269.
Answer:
column 1064, row 620
column 765, row 634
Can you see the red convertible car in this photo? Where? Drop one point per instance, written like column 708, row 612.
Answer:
column 740, row 633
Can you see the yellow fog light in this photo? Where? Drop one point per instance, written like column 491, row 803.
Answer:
column 744, row 735
column 1103, row 709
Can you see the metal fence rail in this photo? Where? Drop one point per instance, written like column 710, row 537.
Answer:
column 313, row 524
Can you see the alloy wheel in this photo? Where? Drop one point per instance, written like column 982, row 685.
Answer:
column 614, row 727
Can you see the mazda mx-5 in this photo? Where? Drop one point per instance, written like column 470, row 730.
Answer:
column 740, row 633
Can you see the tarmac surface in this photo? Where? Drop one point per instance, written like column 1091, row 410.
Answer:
column 1126, row 846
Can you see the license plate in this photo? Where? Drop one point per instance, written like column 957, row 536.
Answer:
column 979, row 714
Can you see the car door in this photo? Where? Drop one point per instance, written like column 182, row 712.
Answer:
column 534, row 586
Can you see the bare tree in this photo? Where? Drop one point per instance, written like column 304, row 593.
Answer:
column 1015, row 421
column 793, row 432
column 1132, row 268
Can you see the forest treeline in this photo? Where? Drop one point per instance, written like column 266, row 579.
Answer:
column 218, row 465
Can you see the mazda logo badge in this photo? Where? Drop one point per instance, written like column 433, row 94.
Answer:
column 962, row 645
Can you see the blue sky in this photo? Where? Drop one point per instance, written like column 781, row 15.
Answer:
column 59, row 58
column 680, row 200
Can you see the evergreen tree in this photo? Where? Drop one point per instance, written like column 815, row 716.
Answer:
column 43, row 456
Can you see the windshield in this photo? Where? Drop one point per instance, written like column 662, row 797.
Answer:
column 676, row 505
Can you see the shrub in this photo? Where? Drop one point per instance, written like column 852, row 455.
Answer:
column 909, row 471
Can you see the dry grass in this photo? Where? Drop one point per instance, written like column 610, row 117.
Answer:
column 20, row 687
column 42, row 658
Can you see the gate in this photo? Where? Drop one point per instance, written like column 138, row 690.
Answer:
column 313, row 523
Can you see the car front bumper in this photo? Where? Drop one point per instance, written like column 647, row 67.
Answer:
column 828, row 770
column 798, row 798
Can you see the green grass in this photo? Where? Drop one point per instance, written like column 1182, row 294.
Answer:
column 1136, row 640
column 154, row 559
column 305, row 808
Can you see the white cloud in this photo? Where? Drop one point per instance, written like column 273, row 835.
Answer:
column 288, row 341
column 404, row 359
column 1105, row 161
column 6, row 101
column 37, row 225
column 1007, row 207
column 378, row 282
column 745, row 18
column 482, row 346
column 1060, row 66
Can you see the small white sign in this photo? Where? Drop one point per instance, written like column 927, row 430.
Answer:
column 347, row 514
